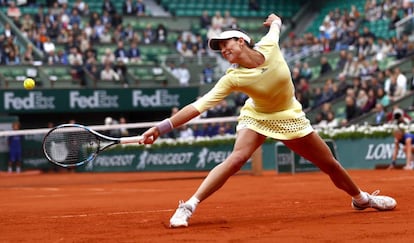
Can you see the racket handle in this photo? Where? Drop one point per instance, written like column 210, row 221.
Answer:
column 133, row 139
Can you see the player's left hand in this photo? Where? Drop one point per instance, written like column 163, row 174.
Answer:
column 272, row 17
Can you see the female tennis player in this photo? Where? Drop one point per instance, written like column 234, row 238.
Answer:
column 261, row 72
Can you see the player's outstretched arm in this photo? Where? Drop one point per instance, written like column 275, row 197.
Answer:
column 181, row 117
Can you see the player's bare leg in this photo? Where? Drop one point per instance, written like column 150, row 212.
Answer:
column 314, row 149
column 247, row 142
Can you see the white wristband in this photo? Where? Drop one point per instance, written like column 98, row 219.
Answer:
column 165, row 126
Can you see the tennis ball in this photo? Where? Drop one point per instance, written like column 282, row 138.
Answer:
column 29, row 83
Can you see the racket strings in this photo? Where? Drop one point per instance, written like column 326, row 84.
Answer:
column 71, row 147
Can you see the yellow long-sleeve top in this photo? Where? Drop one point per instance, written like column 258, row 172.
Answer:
column 269, row 87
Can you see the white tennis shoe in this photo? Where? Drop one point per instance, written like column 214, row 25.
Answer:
column 181, row 215
column 381, row 203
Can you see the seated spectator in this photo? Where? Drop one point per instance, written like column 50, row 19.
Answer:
column 212, row 129
column 161, row 34
column 61, row 57
column 379, row 118
column 326, row 95
column 208, row 74
column 316, row 96
column 75, row 18
column 342, row 85
column 325, row 66
column 108, row 6
column 303, row 99
column 116, row 21
column 124, row 131
column 395, row 92
column 201, row 45
column 39, row 17
column 223, row 109
column 75, row 60
column 228, row 20
column 325, row 109
column 98, row 28
column 108, row 73
column 217, row 20
column 27, row 23
column 13, row 11
column 385, row 49
column 214, row 31
column 394, row 18
column 351, row 109
column 148, row 34
column 121, row 53
column 354, row 14
column 105, row 37
column 128, row 7
column 186, row 132
column 140, row 8
column 128, row 32
column 373, row 11
column 185, row 51
column 371, row 101
column 382, row 97
column 330, row 121
column 400, row 50
column 121, row 69
column 108, row 56
column 81, row 7
column 205, row 20
column 182, row 74
column 53, row 31
column 296, row 76
column 12, row 58
column 134, row 54
column 90, row 59
column 306, row 71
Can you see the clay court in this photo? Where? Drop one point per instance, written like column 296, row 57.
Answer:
column 136, row 207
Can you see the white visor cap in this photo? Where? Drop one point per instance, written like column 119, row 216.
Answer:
column 213, row 43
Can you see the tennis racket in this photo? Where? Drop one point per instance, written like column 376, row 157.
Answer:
column 71, row 145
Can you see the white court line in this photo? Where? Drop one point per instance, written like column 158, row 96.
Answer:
column 108, row 214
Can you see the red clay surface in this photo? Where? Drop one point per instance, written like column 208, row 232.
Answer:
column 136, row 207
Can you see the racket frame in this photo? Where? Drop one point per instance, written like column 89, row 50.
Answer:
column 100, row 137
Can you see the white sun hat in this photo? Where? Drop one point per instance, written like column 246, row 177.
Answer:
column 213, row 43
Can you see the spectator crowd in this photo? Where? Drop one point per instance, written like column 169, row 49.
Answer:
column 69, row 35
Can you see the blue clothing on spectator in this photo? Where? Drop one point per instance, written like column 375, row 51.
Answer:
column 15, row 148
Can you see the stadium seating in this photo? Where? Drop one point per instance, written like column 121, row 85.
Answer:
column 237, row 8
column 60, row 77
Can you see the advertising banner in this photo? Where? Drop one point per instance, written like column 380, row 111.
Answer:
column 356, row 154
column 85, row 100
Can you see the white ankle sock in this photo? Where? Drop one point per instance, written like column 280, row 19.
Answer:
column 193, row 201
column 361, row 198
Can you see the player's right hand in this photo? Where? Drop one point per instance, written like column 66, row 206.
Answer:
column 149, row 136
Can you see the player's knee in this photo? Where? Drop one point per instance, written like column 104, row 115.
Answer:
column 236, row 161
